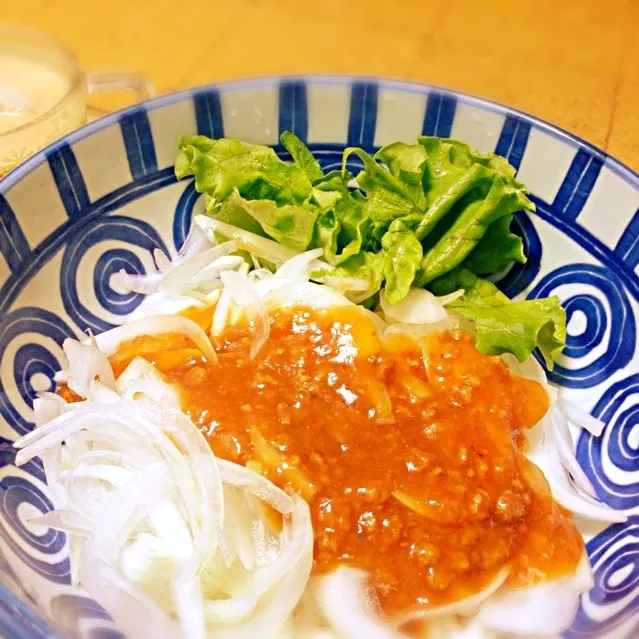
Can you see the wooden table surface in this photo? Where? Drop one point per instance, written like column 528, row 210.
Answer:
column 572, row 62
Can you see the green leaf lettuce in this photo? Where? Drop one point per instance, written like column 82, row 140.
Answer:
column 503, row 326
column 434, row 214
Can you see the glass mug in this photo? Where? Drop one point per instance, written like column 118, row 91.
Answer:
column 43, row 92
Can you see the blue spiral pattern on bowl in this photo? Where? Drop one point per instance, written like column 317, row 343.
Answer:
column 101, row 234
column 618, row 447
column 71, row 610
column 607, row 320
column 614, row 600
column 123, row 230
column 34, row 356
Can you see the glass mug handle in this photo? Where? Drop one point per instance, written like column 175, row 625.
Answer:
column 103, row 81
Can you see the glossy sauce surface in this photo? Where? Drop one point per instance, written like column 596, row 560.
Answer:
column 408, row 454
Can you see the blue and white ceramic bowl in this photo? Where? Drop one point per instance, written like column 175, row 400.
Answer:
column 104, row 197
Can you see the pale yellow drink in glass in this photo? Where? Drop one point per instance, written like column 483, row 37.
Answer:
column 28, row 90
column 42, row 93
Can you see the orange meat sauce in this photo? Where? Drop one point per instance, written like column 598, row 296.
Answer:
column 410, row 455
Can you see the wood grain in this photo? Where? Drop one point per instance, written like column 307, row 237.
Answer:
column 572, row 62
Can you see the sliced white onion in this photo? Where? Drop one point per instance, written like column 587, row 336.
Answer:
column 546, row 609
column 259, row 274
column 347, row 604
column 271, row 618
column 307, row 621
column 557, row 431
column 284, row 579
column 199, row 268
column 348, row 284
column 196, row 242
column 243, row 294
column 465, row 607
column 143, row 495
column 530, row 368
column 582, row 418
column 204, row 468
column 272, row 251
column 127, row 282
column 205, row 530
column 60, row 377
column 102, row 394
column 86, row 363
column 239, row 521
column 171, row 527
column 124, row 508
column 134, row 612
column 110, row 341
column 240, row 288
column 46, row 408
column 189, row 603
column 222, row 313
column 162, row 260
column 140, row 377
column 297, row 268
column 148, row 283
column 418, row 307
column 563, row 490
column 211, row 272
column 115, row 475
column 265, row 286
column 149, row 562
column 305, row 294
column 294, row 631
column 420, row 330
column 161, row 303
column 256, row 244
column 257, row 485
column 444, row 300
column 67, row 521
column 80, row 416
column 455, row 628
column 550, row 446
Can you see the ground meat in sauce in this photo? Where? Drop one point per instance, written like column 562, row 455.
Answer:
column 409, row 459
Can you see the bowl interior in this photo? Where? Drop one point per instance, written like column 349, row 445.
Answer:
column 104, row 197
